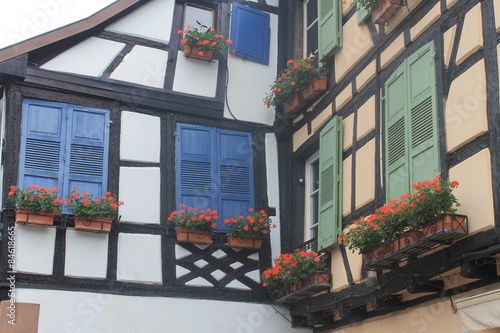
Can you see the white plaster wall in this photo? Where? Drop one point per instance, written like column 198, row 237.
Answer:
column 84, row 312
column 140, row 137
column 195, row 76
column 91, row 57
column 273, row 190
column 86, row 254
column 249, row 82
column 34, row 249
column 139, row 258
column 143, row 65
column 152, row 21
column 140, row 191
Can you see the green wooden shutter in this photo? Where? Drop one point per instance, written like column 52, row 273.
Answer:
column 422, row 105
column 330, row 180
column 362, row 13
column 412, row 145
column 329, row 27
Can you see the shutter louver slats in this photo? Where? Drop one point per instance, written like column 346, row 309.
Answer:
column 396, row 141
column 235, row 180
column 422, row 123
column 195, row 175
column 86, row 160
column 42, row 155
column 327, row 178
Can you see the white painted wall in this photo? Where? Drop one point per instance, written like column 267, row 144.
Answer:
column 139, row 137
column 195, row 76
column 34, row 249
column 91, row 57
column 139, row 258
column 151, row 21
column 273, row 191
column 86, row 254
column 140, row 191
column 249, row 82
column 84, row 312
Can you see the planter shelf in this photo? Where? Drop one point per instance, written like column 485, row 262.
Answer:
column 385, row 9
column 310, row 285
column 193, row 236
column 440, row 231
column 313, row 90
column 26, row 216
column 246, row 243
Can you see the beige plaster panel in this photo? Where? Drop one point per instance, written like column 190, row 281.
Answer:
column 450, row 3
column 475, row 192
column 343, row 97
column 465, row 111
column 321, row 118
column 356, row 43
column 348, row 129
column 448, row 39
column 365, row 174
column 430, row 317
column 496, row 4
column 339, row 277
column 366, row 75
column 426, row 21
column 366, row 118
column 346, row 6
column 400, row 15
column 298, row 118
column 392, row 51
column 346, row 186
column 472, row 34
column 299, row 137
column 355, row 263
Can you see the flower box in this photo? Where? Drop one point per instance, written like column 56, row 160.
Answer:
column 193, row 236
column 247, row 243
column 308, row 286
column 26, row 216
column 191, row 51
column 294, row 104
column 315, row 87
column 96, row 224
column 384, row 10
column 437, row 232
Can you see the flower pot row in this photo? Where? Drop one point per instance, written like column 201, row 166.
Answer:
column 308, row 286
column 43, row 218
column 385, row 9
column 440, row 231
column 310, row 92
column 205, row 237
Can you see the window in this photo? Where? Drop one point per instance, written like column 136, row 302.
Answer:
column 63, row 146
column 330, row 27
column 310, row 27
column 330, row 184
column 250, row 33
column 198, row 15
column 411, row 132
column 312, row 196
column 215, row 170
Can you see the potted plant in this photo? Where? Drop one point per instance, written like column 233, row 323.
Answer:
column 35, row 205
column 248, row 231
column 381, row 10
column 91, row 214
column 295, row 275
column 298, row 83
column 203, row 42
column 404, row 221
column 194, row 225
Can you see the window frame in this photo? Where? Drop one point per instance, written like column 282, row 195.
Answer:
column 310, row 210
column 306, row 28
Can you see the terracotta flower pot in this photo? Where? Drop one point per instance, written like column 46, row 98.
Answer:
column 248, row 243
column 26, row 216
column 407, row 238
column 317, row 278
column 446, row 223
column 314, row 88
column 191, row 51
column 384, row 9
column 97, row 224
column 193, row 236
column 295, row 103
column 378, row 252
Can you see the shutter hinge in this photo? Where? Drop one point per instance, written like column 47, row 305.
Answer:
column 110, row 121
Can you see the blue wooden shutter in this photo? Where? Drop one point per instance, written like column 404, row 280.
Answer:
column 195, row 166
column 235, row 169
column 87, row 150
column 330, row 183
column 423, row 123
column 250, row 33
column 329, row 27
column 42, row 144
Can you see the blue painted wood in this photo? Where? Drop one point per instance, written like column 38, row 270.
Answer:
column 250, row 33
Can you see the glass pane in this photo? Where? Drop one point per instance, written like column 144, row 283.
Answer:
column 314, row 232
column 314, row 209
column 198, row 15
column 315, row 175
column 312, row 39
column 312, row 11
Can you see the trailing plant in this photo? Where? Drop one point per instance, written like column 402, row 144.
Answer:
column 366, row 4
column 205, row 38
column 290, row 267
column 297, row 74
column 430, row 200
column 84, row 205
column 255, row 224
column 36, row 199
column 194, row 218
